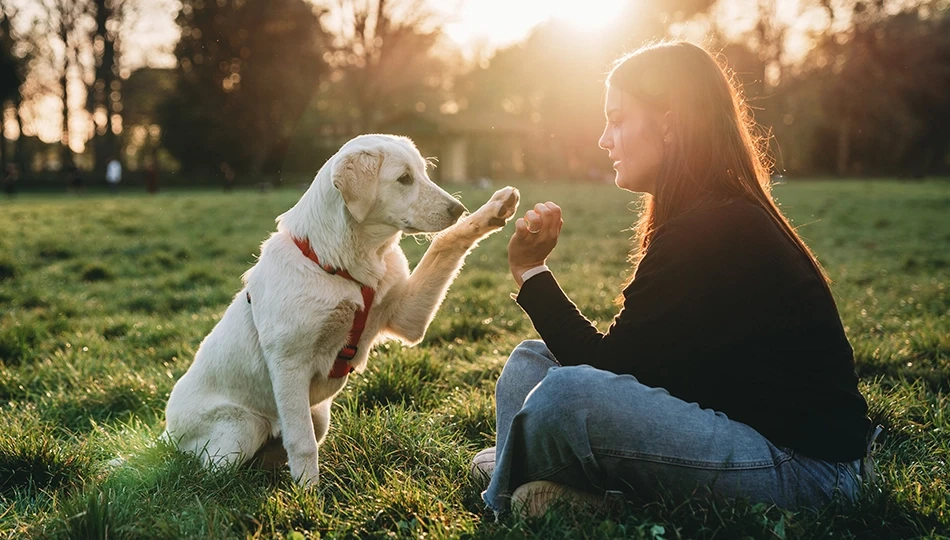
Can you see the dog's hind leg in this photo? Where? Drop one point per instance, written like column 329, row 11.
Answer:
column 234, row 437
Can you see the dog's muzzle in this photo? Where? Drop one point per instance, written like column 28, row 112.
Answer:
column 456, row 210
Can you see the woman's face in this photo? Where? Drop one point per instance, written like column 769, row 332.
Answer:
column 633, row 139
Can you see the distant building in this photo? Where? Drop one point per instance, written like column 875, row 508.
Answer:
column 469, row 146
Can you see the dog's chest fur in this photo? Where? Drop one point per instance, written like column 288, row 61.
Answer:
column 336, row 325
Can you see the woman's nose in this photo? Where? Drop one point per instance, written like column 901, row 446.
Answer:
column 605, row 142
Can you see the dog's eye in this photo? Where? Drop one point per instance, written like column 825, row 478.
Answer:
column 405, row 179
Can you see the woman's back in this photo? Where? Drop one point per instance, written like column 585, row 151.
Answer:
column 759, row 337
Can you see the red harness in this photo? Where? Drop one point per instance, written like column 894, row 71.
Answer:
column 342, row 367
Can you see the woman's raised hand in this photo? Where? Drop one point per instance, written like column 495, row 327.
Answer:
column 534, row 239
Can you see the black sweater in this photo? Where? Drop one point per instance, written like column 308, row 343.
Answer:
column 725, row 311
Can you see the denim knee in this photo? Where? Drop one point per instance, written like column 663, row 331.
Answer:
column 567, row 385
column 552, row 426
column 530, row 347
column 562, row 402
column 555, row 400
column 526, row 352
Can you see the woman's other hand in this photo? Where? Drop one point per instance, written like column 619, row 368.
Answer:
column 535, row 237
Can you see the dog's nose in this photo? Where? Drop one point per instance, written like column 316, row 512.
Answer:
column 456, row 210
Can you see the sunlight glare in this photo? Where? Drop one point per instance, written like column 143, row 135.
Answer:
column 586, row 15
column 503, row 22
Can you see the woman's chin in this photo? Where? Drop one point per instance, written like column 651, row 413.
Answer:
column 624, row 183
column 633, row 185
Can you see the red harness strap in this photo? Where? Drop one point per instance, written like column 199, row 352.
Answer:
column 342, row 367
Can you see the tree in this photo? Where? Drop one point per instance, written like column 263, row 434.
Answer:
column 102, row 93
column 381, row 52
column 39, row 69
column 879, row 88
column 143, row 94
column 246, row 71
column 555, row 80
column 12, row 68
column 64, row 18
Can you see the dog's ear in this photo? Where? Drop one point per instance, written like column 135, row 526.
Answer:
column 356, row 175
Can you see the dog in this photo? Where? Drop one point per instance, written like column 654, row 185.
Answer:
column 330, row 283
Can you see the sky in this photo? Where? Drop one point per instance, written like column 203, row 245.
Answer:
column 478, row 27
column 483, row 25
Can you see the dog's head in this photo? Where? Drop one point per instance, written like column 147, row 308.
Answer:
column 383, row 180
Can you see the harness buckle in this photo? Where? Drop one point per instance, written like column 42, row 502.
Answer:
column 348, row 352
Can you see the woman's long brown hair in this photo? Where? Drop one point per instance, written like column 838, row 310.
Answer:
column 715, row 156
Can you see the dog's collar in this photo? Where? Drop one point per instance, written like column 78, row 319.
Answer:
column 341, row 367
column 308, row 252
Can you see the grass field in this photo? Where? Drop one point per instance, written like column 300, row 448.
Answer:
column 103, row 302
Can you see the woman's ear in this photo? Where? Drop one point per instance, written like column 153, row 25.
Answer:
column 666, row 125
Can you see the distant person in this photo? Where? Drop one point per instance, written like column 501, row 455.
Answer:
column 228, row 175
column 727, row 372
column 10, row 178
column 114, row 175
column 151, row 177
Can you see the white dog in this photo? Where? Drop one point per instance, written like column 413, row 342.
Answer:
column 285, row 345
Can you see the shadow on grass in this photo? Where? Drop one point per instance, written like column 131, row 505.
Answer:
column 161, row 493
column 121, row 400
column 33, row 461
column 877, row 515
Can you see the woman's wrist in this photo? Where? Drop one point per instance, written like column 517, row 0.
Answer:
column 523, row 273
column 531, row 272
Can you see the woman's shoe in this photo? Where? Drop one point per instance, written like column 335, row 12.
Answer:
column 534, row 498
column 483, row 465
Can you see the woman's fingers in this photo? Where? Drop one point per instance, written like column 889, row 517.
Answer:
column 549, row 216
column 535, row 236
column 521, row 227
column 544, row 214
column 544, row 217
column 533, row 221
column 558, row 222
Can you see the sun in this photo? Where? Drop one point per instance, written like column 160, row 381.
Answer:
column 502, row 22
column 586, row 14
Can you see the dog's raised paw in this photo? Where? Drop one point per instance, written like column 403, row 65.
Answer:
column 510, row 203
column 506, row 199
column 495, row 212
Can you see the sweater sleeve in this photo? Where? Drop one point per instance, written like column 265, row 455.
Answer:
column 685, row 280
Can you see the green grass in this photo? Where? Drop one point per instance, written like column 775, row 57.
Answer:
column 103, row 302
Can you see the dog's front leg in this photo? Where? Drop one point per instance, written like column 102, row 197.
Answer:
column 417, row 300
column 292, row 395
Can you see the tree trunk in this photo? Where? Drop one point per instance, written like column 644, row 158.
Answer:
column 3, row 141
column 66, row 155
column 105, row 146
column 17, row 155
column 844, row 146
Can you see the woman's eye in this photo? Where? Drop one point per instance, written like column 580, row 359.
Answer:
column 405, row 179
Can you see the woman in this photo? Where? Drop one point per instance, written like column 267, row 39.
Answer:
column 727, row 372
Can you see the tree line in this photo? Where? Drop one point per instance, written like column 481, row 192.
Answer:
column 274, row 86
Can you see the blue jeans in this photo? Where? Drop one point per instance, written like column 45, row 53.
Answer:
column 602, row 432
